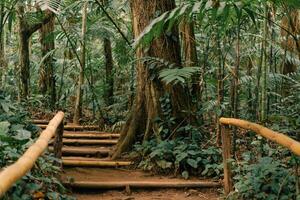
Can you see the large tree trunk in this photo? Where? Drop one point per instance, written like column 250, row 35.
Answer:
column 109, row 79
column 291, row 22
column 78, row 103
column 47, row 75
column 147, row 106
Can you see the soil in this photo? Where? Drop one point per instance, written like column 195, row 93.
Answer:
column 118, row 175
column 170, row 194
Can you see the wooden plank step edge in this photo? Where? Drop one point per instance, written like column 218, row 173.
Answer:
column 41, row 122
column 143, row 184
column 85, row 158
column 82, row 151
column 73, row 127
column 88, row 142
column 100, row 163
column 90, row 135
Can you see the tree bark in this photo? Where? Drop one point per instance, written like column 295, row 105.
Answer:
column 147, row 107
column 78, row 103
column 109, row 79
column 47, row 74
column 187, row 32
column 25, row 31
column 291, row 22
column 3, row 62
column 24, row 62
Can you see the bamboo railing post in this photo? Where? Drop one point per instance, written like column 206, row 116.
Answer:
column 226, row 151
column 58, row 144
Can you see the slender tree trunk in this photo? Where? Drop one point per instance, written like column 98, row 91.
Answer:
column 47, row 74
column 109, row 76
column 220, row 89
column 140, row 124
column 264, row 69
column 235, row 84
column 78, row 103
column 3, row 62
column 24, row 63
column 25, row 30
column 190, row 52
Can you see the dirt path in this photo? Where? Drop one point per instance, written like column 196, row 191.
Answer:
column 170, row 194
column 119, row 175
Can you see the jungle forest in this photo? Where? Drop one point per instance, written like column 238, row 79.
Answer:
column 149, row 99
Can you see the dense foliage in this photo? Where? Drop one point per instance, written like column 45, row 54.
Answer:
column 16, row 134
column 239, row 58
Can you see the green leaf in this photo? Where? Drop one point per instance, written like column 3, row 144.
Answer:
column 5, row 107
column 4, row 128
column 185, row 174
column 164, row 164
column 193, row 163
column 22, row 135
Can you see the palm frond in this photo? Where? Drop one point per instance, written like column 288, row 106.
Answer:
column 51, row 5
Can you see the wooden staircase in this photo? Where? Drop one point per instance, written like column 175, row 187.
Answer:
column 87, row 164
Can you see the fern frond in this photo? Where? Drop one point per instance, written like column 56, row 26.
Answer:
column 179, row 75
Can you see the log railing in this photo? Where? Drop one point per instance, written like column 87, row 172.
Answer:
column 279, row 138
column 24, row 164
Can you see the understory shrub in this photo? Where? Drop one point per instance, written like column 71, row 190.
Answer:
column 268, row 179
column 180, row 156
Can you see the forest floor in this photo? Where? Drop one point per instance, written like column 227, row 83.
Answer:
column 169, row 194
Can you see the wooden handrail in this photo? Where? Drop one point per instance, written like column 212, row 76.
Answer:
column 14, row 172
column 274, row 136
column 269, row 134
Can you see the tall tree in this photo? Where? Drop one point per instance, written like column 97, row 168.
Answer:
column 187, row 32
column 109, row 75
column 109, row 79
column 25, row 31
column 47, row 72
column 147, row 105
column 78, row 102
column 2, row 38
column 291, row 42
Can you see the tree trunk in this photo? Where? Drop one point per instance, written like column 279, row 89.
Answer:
column 190, row 56
column 24, row 62
column 109, row 80
column 3, row 63
column 25, row 31
column 147, row 107
column 291, row 22
column 78, row 103
column 47, row 75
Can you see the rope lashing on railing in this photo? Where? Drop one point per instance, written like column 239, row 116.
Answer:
column 16, row 171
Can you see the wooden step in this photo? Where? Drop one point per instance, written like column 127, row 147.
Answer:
column 88, row 142
column 143, row 184
column 42, row 122
column 39, row 121
column 85, row 158
column 94, row 163
column 92, row 135
column 73, row 127
column 95, row 151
